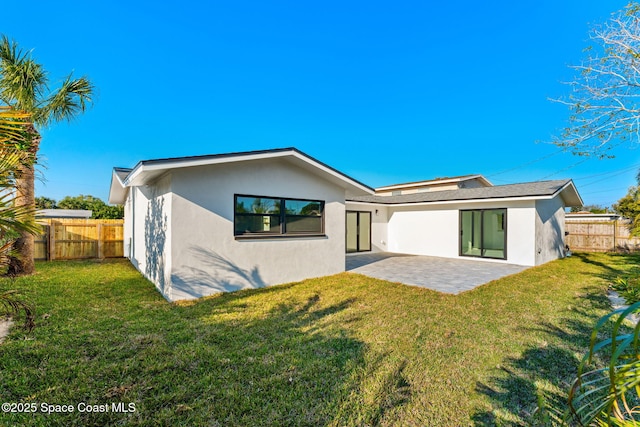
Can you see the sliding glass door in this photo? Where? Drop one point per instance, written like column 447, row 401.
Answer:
column 483, row 233
column 358, row 231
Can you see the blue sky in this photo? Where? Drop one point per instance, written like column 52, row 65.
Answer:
column 386, row 92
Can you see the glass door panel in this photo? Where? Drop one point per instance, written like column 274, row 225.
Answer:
column 364, row 231
column 358, row 231
column 471, row 233
column 352, row 231
column 493, row 233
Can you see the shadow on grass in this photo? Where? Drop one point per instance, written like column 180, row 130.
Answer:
column 307, row 369
column 515, row 391
column 545, row 372
column 259, row 357
column 619, row 266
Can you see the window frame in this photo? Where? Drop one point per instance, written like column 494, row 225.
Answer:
column 482, row 248
column 358, row 216
column 282, row 233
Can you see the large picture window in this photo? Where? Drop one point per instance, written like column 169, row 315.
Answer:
column 483, row 233
column 257, row 215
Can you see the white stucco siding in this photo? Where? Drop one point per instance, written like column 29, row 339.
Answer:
column 206, row 256
column 434, row 230
column 151, row 235
column 424, row 231
column 549, row 230
column 521, row 233
column 139, row 203
column 128, row 225
column 379, row 224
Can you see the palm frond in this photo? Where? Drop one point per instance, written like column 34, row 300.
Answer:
column 13, row 219
column 23, row 81
column 66, row 103
column 16, row 218
column 13, row 304
column 13, row 124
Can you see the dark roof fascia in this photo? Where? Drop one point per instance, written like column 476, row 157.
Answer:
column 156, row 162
column 212, row 156
column 446, row 200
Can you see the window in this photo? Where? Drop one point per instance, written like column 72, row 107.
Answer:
column 257, row 215
column 483, row 233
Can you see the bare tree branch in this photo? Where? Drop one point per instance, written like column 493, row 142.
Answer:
column 605, row 94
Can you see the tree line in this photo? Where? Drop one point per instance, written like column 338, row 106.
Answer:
column 99, row 209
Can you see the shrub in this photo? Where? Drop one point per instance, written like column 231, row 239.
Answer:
column 609, row 395
column 628, row 288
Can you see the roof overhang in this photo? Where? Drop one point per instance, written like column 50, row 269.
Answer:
column 570, row 195
column 147, row 171
column 457, row 201
column 567, row 192
column 118, row 190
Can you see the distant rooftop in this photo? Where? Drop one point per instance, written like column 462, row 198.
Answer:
column 63, row 213
column 435, row 181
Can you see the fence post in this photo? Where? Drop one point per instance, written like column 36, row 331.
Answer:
column 47, row 242
column 52, row 241
column 615, row 233
column 100, row 242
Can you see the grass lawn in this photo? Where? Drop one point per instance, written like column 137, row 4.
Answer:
column 337, row 351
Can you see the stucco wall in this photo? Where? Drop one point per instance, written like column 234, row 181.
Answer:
column 128, row 225
column 434, row 230
column 151, row 235
column 549, row 230
column 379, row 238
column 206, row 257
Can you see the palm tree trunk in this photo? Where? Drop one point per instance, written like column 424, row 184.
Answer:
column 23, row 262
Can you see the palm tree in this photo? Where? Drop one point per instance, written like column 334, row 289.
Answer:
column 14, row 220
column 24, row 86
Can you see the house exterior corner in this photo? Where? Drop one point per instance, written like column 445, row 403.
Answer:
column 184, row 239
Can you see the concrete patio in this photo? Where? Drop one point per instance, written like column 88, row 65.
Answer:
column 440, row 274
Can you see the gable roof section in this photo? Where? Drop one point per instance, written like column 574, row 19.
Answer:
column 528, row 190
column 118, row 191
column 148, row 170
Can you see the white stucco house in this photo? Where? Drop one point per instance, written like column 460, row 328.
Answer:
column 195, row 226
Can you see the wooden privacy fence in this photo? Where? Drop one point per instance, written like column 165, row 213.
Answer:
column 79, row 238
column 600, row 236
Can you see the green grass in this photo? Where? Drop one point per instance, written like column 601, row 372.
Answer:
column 339, row 350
